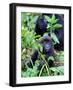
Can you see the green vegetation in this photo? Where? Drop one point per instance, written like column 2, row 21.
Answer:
column 30, row 43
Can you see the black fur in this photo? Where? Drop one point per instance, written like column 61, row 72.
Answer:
column 41, row 25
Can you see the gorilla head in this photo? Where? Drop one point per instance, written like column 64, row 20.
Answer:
column 48, row 49
column 41, row 25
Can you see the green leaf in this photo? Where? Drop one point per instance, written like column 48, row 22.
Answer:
column 57, row 26
column 54, row 69
column 58, row 70
column 54, row 38
column 56, row 20
column 48, row 26
column 47, row 18
column 30, row 72
column 61, row 70
column 53, row 17
column 60, row 56
column 51, row 58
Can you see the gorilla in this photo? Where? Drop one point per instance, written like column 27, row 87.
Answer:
column 41, row 25
column 48, row 50
column 60, row 34
column 41, row 28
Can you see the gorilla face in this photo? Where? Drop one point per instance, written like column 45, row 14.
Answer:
column 42, row 24
column 46, row 43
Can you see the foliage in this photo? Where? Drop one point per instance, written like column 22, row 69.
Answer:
column 54, row 38
column 29, row 39
column 30, row 72
column 60, row 56
column 28, row 20
column 57, row 70
column 30, row 43
column 53, row 25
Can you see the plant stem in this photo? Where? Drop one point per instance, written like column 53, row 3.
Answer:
column 45, row 65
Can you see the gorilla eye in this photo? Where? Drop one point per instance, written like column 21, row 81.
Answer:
column 47, row 41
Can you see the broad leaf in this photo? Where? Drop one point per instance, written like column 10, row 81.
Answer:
column 57, row 26
column 54, row 38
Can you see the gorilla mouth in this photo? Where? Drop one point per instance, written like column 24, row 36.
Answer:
column 47, row 49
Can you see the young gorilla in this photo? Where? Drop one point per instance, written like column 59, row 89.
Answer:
column 48, row 50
